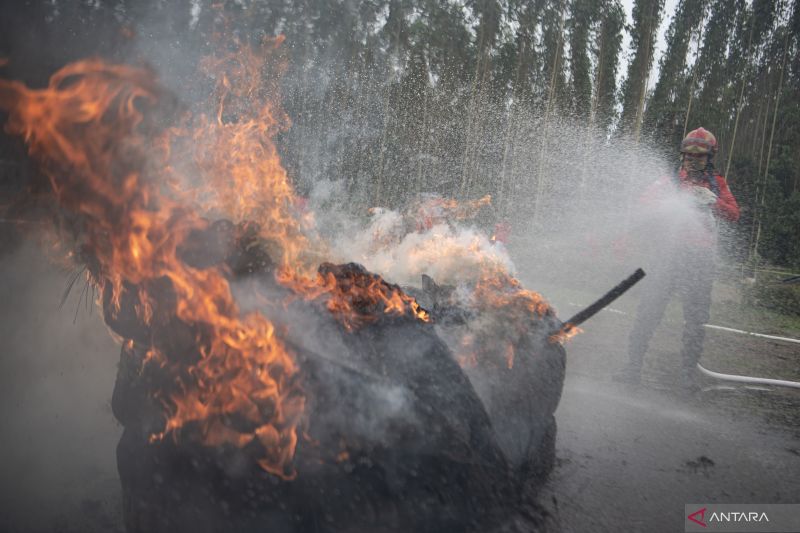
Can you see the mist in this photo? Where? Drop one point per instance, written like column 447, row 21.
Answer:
column 367, row 145
column 57, row 371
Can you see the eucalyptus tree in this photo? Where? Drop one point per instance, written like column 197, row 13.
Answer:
column 442, row 30
column 488, row 16
column 518, row 83
column 646, row 19
column 608, row 44
column 553, row 75
column 664, row 115
column 712, row 72
column 582, row 15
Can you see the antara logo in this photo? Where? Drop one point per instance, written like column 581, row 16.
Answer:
column 699, row 517
column 735, row 516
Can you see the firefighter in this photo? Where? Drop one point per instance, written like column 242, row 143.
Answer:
column 686, row 267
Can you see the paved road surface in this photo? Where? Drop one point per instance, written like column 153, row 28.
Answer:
column 628, row 460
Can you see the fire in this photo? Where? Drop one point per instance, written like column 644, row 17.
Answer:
column 510, row 356
column 566, row 332
column 238, row 174
column 470, row 273
column 134, row 191
column 355, row 297
column 468, row 209
column 235, row 170
column 505, row 313
column 92, row 129
column 499, row 290
column 139, row 191
column 434, row 210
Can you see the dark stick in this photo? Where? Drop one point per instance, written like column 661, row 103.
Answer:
column 607, row 298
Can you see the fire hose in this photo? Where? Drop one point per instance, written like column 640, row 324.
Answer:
column 748, row 379
column 617, row 291
column 752, row 380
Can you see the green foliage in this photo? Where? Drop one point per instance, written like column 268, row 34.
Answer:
column 582, row 14
column 667, row 106
column 646, row 18
column 769, row 293
column 553, row 74
column 396, row 97
column 781, row 231
column 607, row 51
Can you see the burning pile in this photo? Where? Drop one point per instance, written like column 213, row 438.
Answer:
column 237, row 353
column 92, row 131
column 355, row 296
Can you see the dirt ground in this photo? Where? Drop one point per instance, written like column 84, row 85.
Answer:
column 627, row 458
column 630, row 458
column 57, row 434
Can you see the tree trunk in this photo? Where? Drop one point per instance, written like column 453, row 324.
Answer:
column 739, row 104
column 762, row 205
column 694, row 75
column 637, row 128
column 550, row 105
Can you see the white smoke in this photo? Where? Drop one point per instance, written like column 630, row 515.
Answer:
column 449, row 254
column 390, row 243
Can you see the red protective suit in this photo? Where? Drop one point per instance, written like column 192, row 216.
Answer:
column 683, row 266
column 726, row 206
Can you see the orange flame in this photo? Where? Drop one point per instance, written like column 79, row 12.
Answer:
column 498, row 289
column 437, row 210
column 238, row 174
column 510, row 356
column 236, row 171
column 91, row 129
column 138, row 191
column 566, row 332
column 508, row 310
column 465, row 209
column 355, row 299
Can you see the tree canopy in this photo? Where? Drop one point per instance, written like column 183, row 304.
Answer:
column 398, row 97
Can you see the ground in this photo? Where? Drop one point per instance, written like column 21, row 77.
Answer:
column 627, row 458
column 630, row 458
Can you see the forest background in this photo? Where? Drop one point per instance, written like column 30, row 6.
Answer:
column 394, row 98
